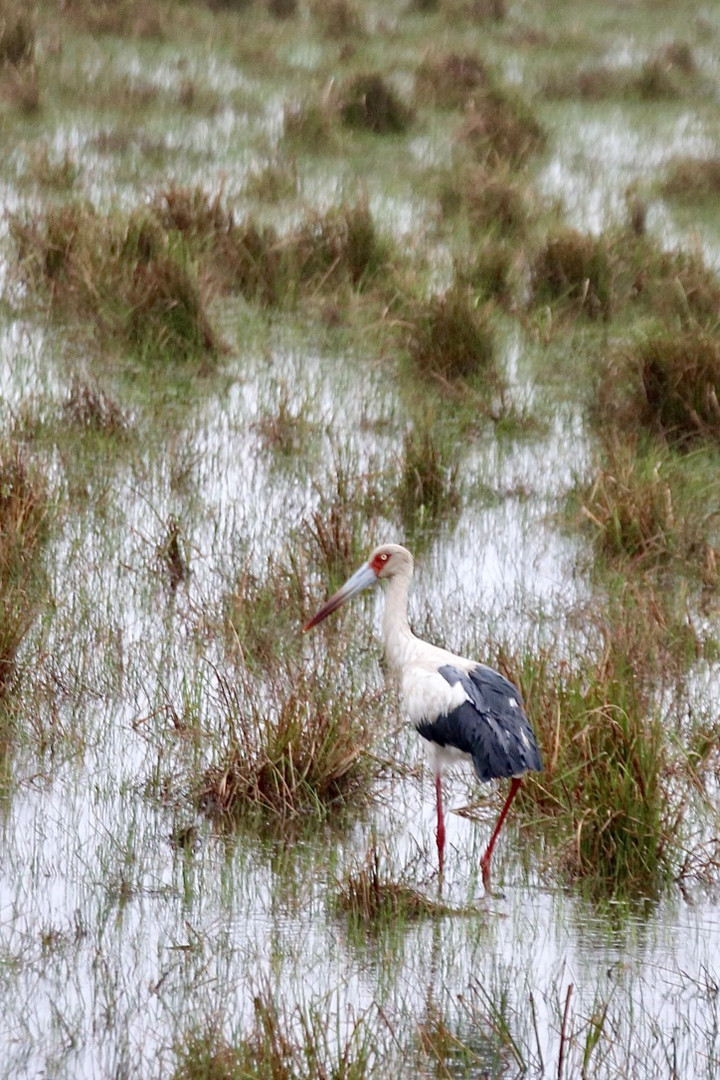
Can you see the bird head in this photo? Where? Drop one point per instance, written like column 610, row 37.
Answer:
column 386, row 561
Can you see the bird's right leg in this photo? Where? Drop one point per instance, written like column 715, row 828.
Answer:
column 440, row 822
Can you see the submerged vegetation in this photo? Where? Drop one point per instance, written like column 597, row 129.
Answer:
column 282, row 281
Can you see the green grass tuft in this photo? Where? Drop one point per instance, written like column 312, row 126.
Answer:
column 280, row 1046
column 450, row 338
column 136, row 282
column 615, row 778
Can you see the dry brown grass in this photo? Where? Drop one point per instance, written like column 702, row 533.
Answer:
column 90, row 408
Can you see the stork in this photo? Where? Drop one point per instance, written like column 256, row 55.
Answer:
column 463, row 710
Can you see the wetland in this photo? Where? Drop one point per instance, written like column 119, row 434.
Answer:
column 281, row 281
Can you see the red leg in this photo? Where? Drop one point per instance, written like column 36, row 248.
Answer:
column 485, row 861
column 440, row 822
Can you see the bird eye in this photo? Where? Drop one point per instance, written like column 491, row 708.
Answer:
column 384, row 557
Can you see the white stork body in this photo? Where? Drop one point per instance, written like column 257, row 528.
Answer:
column 462, row 709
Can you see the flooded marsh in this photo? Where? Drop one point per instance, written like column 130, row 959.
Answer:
column 280, row 282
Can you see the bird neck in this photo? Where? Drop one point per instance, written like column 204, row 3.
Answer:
column 397, row 635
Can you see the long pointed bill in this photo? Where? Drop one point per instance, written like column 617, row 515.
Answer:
column 361, row 579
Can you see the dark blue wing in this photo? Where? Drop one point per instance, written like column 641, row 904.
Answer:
column 491, row 725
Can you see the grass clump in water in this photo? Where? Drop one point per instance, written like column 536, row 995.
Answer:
column 573, row 271
column 667, row 383
column 295, row 746
column 665, row 75
column 427, row 491
column 341, row 244
column 369, row 894
column 611, row 766
column 338, row 19
column 340, row 249
column 23, row 531
column 692, row 178
column 133, row 280
column 447, row 79
column 492, row 200
column 490, row 273
column 368, row 103
column 649, row 508
column 17, row 36
column 89, row 408
column 500, row 129
column 450, row 338
column 51, row 170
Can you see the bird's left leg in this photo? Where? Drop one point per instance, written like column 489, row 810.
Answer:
column 485, row 861
column 440, row 822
